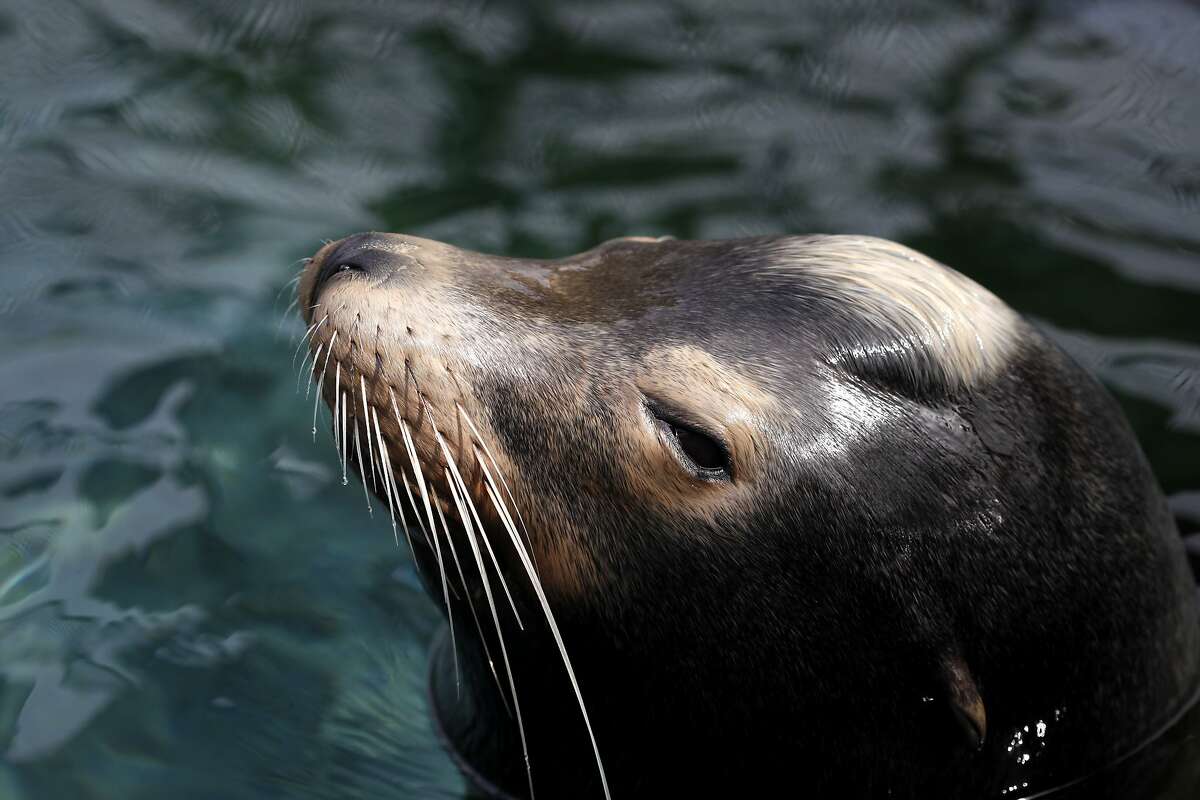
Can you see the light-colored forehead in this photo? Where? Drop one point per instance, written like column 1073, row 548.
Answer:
column 962, row 327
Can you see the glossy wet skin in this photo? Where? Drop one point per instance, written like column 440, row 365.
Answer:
column 869, row 556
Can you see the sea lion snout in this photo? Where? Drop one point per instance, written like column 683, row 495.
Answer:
column 380, row 257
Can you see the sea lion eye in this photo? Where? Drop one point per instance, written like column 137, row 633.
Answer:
column 699, row 448
column 348, row 267
column 705, row 453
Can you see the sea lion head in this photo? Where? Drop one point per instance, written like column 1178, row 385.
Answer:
column 795, row 503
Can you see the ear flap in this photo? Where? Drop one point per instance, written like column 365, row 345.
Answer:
column 965, row 701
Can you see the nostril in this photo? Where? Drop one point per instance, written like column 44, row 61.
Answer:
column 382, row 258
column 329, row 270
column 347, row 256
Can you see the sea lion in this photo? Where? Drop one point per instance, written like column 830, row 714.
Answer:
column 714, row 517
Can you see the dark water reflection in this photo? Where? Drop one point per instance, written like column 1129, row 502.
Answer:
column 190, row 602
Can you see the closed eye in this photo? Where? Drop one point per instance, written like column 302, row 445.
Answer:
column 702, row 452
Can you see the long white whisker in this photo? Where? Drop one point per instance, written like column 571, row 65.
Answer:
column 393, row 493
column 500, row 474
column 494, row 496
column 385, row 468
column 300, row 374
column 389, row 484
column 412, row 503
column 337, row 404
column 410, row 447
column 482, row 533
column 287, row 311
column 445, row 595
column 345, row 447
column 311, row 330
column 417, row 473
column 541, row 595
column 307, row 331
column 324, row 365
column 293, row 280
column 370, row 455
column 284, row 288
column 471, row 604
column 487, row 590
column 362, row 477
column 321, row 386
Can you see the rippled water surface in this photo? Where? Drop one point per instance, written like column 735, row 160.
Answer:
column 191, row 603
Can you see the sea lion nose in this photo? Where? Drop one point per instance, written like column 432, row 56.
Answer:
column 380, row 257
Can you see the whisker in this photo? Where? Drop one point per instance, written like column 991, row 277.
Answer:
column 410, row 446
column 311, row 330
column 500, row 474
column 393, row 493
column 307, row 331
column 337, row 404
column 300, row 374
column 362, row 477
column 285, row 316
column 471, row 604
column 541, row 595
column 445, row 591
column 487, row 590
column 385, row 468
column 389, row 485
column 412, row 503
column 293, row 280
column 317, row 403
column 370, row 456
column 321, row 382
column 344, row 442
column 418, row 475
column 428, row 511
column 482, row 533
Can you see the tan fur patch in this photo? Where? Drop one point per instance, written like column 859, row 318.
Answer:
column 967, row 330
column 720, row 398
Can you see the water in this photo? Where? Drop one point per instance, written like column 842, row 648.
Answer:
column 191, row 604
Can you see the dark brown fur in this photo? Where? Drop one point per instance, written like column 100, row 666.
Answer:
column 894, row 548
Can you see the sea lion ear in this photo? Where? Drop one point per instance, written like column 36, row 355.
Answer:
column 965, row 702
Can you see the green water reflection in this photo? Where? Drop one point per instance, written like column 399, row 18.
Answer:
column 191, row 603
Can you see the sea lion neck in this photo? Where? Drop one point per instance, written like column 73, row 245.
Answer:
column 467, row 714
